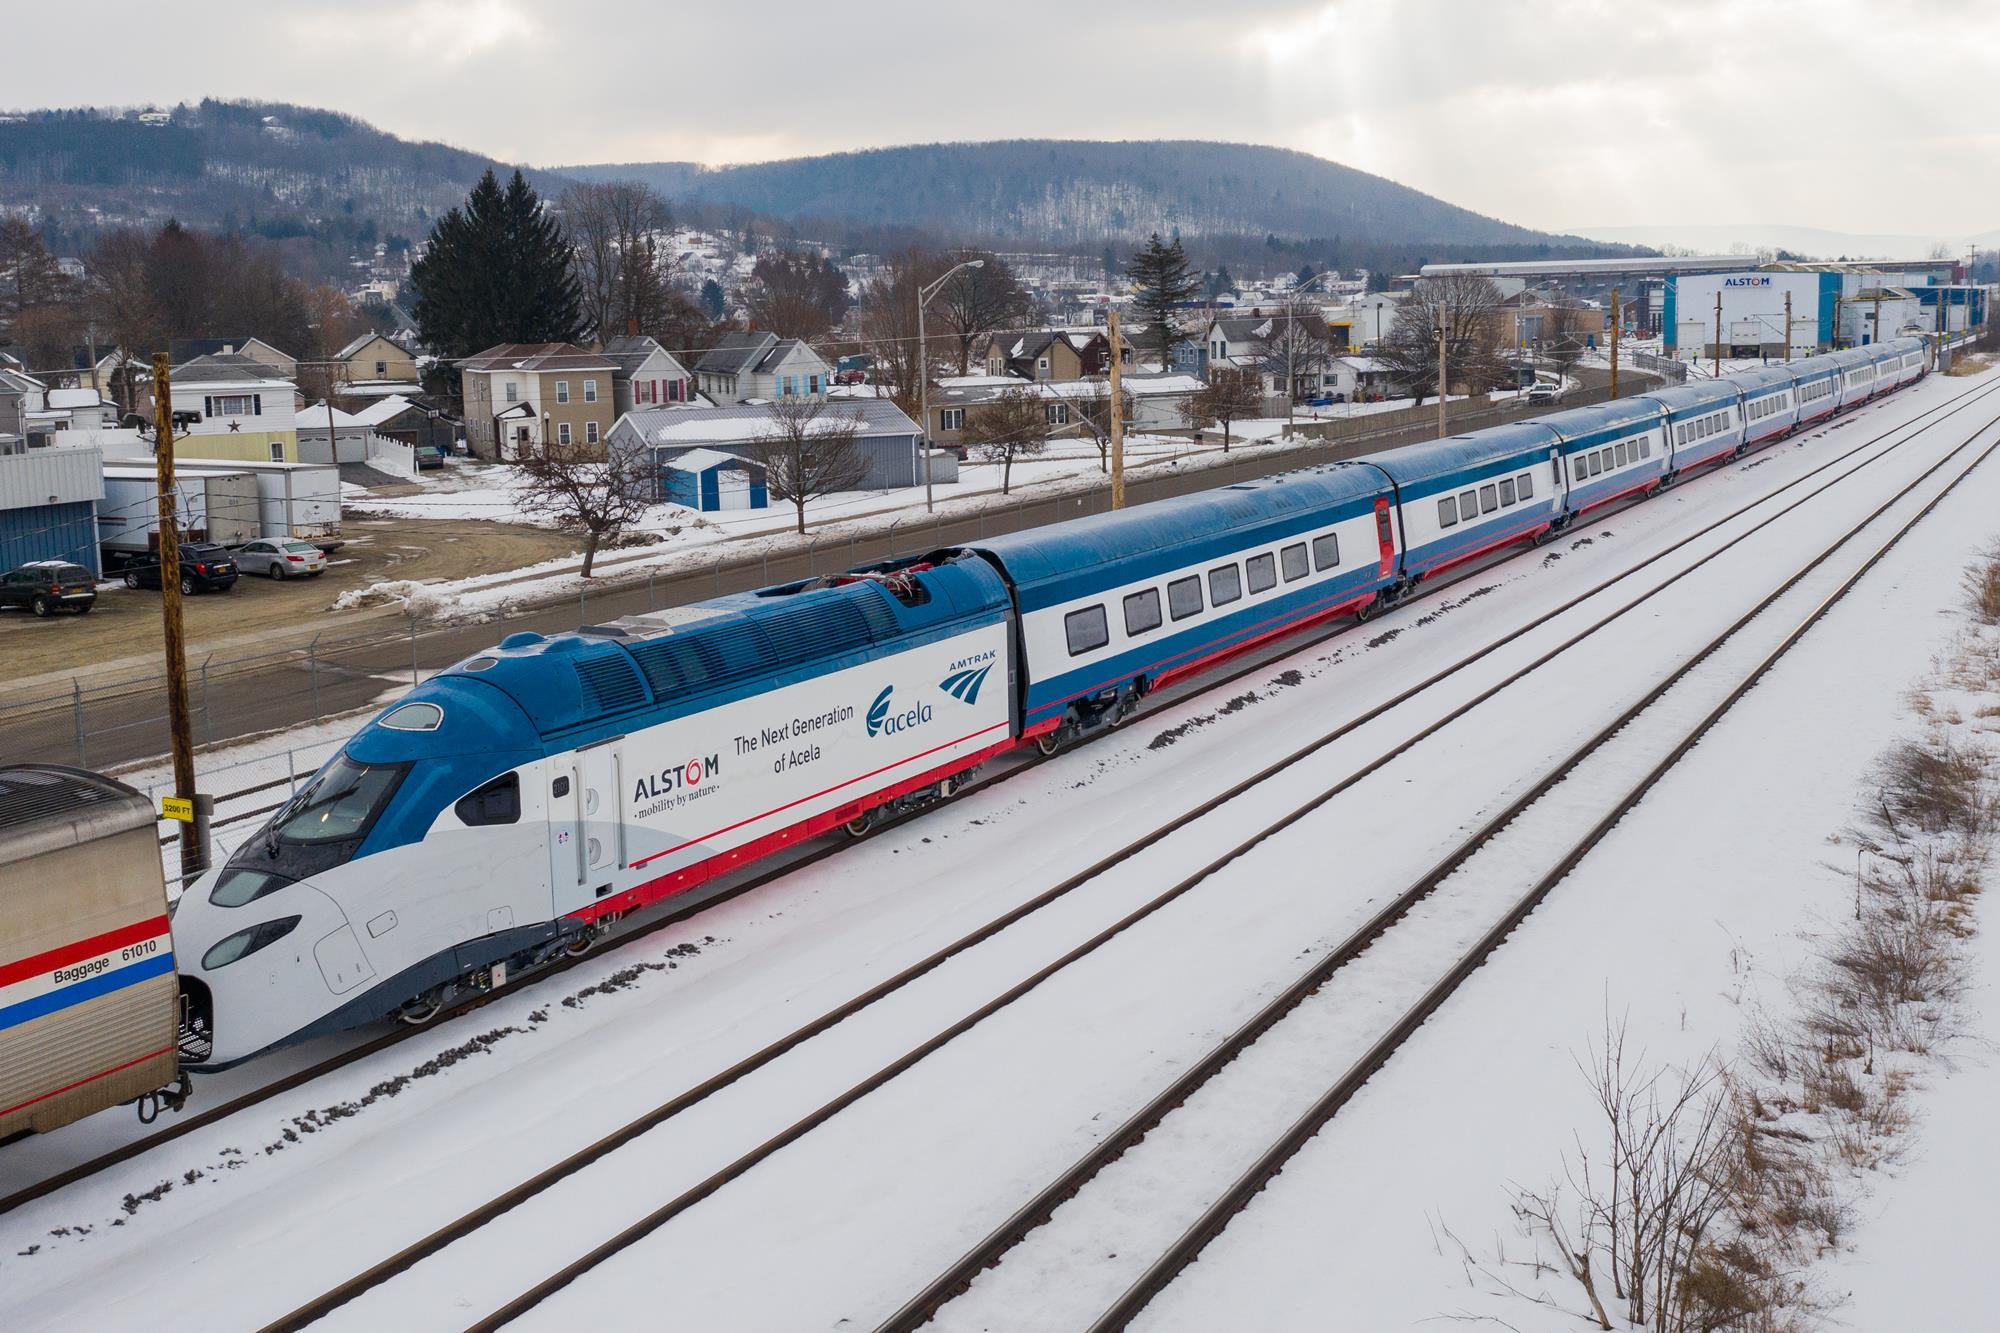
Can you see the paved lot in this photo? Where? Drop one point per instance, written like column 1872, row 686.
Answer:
column 125, row 624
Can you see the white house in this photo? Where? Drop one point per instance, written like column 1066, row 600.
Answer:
column 753, row 366
column 648, row 375
column 235, row 407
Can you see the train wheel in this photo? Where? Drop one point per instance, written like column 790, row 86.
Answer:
column 1049, row 742
column 859, row 827
column 1369, row 609
column 422, row 1009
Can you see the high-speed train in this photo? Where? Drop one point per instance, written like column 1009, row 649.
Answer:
column 515, row 805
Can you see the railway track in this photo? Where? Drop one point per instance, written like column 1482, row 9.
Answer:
column 471, row 1223
column 1501, row 839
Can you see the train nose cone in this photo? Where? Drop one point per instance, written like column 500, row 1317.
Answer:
column 273, row 967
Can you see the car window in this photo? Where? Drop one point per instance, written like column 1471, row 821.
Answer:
column 301, row 548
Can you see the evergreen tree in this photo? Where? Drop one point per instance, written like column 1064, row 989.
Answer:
column 496, row 271
column 1163, row 281
column 714, row 301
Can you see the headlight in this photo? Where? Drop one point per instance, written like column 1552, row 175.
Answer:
column 246, row 942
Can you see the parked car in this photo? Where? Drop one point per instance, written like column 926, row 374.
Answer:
column 205, row 567
column 280, row 558
column 1545, row 392
column 43, row 586
column 429, row 456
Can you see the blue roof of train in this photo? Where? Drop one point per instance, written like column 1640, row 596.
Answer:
column 1763, row 379
column 1682, row 397
column 569, row 681
column 1458, row 454
column 1170, row 532
column 1575, row 422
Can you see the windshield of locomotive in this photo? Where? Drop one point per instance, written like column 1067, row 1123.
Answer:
column 339, row 805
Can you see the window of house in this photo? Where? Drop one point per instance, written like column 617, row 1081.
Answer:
column 1142, row 612
column 277, row 452
column 1184, row 597
column 1042, row 368
column 513, row 392
column 1448, row 512
column 562, row 391
column 590, row 432
column 1058, row 414
column 1225, row 585
column 562, row 432
column 1326, row 552
column 812, row 385
column 381, row 370
column 590, row 391
column 951, row 418
column 1263, row 571
column 230, row 405
column 1293, row 560
column 1087, row 630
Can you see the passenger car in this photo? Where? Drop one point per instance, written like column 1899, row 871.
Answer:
column 205, row 567
column 280, row 557
column 43, row 586
column 429, row 456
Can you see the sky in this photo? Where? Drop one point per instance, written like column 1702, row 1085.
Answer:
column 1858, row 116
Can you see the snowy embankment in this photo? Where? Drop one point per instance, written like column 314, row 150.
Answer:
column 366, row 1159
column 675, row 539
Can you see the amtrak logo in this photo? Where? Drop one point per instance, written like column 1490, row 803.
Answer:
column 884, row 721
column 964, row 685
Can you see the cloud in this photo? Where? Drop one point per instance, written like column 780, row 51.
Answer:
column 1551, row 113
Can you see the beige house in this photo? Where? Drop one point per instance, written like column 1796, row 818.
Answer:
column 372, row 358
column 521, row 397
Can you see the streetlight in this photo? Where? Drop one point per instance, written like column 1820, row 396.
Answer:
column 924, row 294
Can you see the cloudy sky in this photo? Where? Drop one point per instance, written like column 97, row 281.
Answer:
column 1853, row 115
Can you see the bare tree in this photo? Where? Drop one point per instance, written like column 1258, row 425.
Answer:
column 610, row 225
column 1014, row 425
column 810, row 449
column 797, row 294
column 888, row 328
column 1467, row 308
column 601, row 499
column 1562, row 337
column 1230, row 396
column 979, row 301
column 1295, row 345
column 1092, row 411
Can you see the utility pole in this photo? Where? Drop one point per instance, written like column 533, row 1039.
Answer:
column 1718, row 335
column 1788, row 326
column 1117, row 410
column 1614, row 342
column 1444, row 396
column 194, row 837
column 1878, row 315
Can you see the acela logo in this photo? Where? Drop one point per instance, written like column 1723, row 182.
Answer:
column 882, row 722
column 964, row 685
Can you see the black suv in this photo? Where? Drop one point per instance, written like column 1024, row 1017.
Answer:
column 49, row 585
column 205, row 567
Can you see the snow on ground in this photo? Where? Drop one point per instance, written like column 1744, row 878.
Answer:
column 367, row 1158
column 1696, row 903
column 680, row 538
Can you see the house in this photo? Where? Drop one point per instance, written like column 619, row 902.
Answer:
column 237, row 408
column 182, row 350
column 886, row 439
column 410, row 420
column 647, row 374
column 1045, row 354
column 708, row 481
column 48, row 504
column 1156, row 400
column 375, row 366
column 79, row 409
column 753, row 366
column 521, row 397
column 344, row 441
column 22, row 397
column 1257, row 341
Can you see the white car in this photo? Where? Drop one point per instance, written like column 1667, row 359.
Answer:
column 281, row 559
column 1545, row 392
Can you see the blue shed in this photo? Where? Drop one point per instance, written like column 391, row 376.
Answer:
column 709, row 480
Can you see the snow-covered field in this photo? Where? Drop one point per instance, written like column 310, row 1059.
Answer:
column 1714, row 874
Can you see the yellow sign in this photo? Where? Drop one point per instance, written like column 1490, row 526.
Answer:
column 175, row 807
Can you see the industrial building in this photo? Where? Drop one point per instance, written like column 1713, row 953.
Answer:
column 1744, row 314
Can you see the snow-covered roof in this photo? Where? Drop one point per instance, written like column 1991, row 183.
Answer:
column 315, row 416
column 701, row 460
column 381, row 410
column 70, row 399
column 696, row 426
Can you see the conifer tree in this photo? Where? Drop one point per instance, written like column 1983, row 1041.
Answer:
column 1163, row 280
column 496, row 271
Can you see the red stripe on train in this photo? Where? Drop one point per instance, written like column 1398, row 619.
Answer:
column 36, row 964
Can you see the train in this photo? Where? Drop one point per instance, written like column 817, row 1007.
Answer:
column 514, row 807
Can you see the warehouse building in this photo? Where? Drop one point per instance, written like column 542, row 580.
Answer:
column 48, row 506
